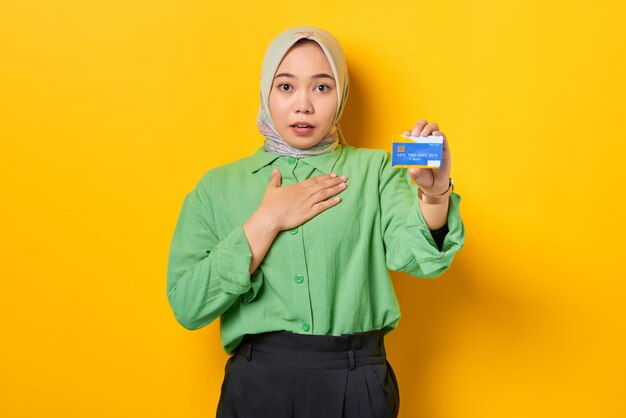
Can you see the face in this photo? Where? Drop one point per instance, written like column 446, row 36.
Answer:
column 303, row 97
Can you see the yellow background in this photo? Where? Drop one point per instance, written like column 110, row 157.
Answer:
column 111, row 111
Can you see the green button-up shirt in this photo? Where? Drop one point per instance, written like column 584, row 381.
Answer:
column 328, row 276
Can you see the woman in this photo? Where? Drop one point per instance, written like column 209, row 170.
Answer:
column 294, row 261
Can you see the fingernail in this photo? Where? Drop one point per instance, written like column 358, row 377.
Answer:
column 344, row 178
column 333, row 175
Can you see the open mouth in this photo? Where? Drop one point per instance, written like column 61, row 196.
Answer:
column 302, row 128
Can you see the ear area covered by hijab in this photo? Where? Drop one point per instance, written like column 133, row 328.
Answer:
column 277, row 49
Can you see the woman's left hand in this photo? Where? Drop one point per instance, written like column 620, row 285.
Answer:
column 432, row 181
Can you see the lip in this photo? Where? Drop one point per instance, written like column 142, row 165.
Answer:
column 302, row 131
column 301, row 122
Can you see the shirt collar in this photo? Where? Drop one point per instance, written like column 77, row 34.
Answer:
column 323, row 162
column 260, row 159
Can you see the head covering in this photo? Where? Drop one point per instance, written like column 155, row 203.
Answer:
column 277, row 49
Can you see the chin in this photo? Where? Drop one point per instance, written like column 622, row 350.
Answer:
column 302, row 143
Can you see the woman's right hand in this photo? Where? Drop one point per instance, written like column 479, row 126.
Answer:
column 287, row 207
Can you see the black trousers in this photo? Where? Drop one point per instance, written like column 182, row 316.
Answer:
column 281, row 374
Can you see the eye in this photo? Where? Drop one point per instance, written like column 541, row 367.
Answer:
column 280, row 87
column 324, row 87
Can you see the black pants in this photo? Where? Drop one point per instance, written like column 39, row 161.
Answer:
column 282, row 374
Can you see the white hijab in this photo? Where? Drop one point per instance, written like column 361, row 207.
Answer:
column 277, row 49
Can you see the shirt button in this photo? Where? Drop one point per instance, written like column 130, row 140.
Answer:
column 299, row 278
column 294, row 231
column 291, row 160
column 306, row 327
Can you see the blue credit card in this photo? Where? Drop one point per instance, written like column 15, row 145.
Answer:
column 417, row 151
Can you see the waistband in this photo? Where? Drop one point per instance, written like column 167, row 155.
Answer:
column 288, row 349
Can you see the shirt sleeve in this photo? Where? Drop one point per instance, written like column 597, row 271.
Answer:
column 206, row 274
column 409, row 244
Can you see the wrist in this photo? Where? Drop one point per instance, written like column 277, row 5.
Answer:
column 264, row 222
column 435, row 197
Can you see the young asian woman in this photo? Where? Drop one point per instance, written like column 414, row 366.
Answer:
column 290, row 247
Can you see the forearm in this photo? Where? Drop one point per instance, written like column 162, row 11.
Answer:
column 196, row 297
column 435, row 215
column 260, row 234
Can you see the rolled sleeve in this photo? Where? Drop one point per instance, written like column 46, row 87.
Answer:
column 409, row 244
column 233, row 256
column 433, row 260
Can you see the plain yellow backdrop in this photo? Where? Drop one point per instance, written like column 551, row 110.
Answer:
column 110, row 112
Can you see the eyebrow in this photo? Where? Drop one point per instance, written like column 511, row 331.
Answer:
column 320, row 75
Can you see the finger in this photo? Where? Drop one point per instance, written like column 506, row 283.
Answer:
column 416, row 173
column 317, row 179
column 438, row 133
column 426, row 178
column 276, row 178
column 320, row 207
column 428, row 129
column 324, row 194
column 406, row 133
column 327, row 183
column 418, row 127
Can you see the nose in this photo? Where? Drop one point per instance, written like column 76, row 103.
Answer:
column 304, row 104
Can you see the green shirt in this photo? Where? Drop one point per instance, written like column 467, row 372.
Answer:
column 328, row 276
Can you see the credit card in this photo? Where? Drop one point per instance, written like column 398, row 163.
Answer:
column 416, row 151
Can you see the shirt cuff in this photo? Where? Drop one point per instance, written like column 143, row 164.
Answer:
column 256, row 282
column 234, row 255
column 452, row 242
